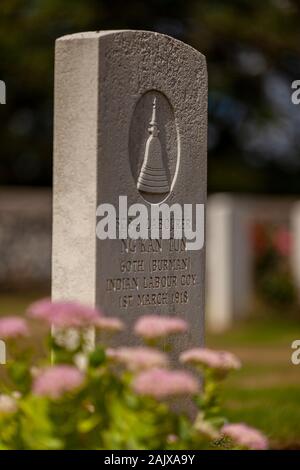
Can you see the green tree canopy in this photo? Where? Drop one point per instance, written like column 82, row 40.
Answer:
column 253, row 55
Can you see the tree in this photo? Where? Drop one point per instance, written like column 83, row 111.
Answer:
column 252, row 51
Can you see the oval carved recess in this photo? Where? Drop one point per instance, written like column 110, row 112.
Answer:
column 153, row 147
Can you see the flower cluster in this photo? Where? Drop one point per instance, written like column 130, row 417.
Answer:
column 221, row 362
column 8, row 404
column 162, row 383
column 63, row 314
column 55, row 381
column 244, row 436
column 13, row 327
column 138, row 358
column 152, row 327
column 112, row 397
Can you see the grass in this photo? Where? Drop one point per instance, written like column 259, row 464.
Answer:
column 265, row 393
column 16, row 303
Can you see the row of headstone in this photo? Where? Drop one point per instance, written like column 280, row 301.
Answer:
column 229, row 279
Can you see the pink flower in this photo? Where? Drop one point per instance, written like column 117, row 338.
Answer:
column 64, row 314
column 138, row 358
column 162, row 383
column 54, row 381
column 8, row 404
column 245, row 436
column 13, row 327
column 109, row 324
column 221, row 361
column 172, row 439
column 156, row 326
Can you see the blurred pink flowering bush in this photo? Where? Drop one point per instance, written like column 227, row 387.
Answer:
column 111, row 397
column 272, row 245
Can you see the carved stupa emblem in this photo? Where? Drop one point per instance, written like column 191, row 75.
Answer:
column 153, row 176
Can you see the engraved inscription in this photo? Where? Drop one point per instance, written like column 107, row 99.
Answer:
column 152, row 273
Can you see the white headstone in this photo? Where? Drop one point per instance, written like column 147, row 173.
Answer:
column 130, row 120
column 229, row 261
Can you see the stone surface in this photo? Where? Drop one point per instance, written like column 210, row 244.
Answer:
column 106, row 85
column 229, row 261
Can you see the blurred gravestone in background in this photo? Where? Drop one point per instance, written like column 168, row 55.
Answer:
column 2, row 92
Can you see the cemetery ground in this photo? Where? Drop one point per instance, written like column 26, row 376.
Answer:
column 265, row 392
